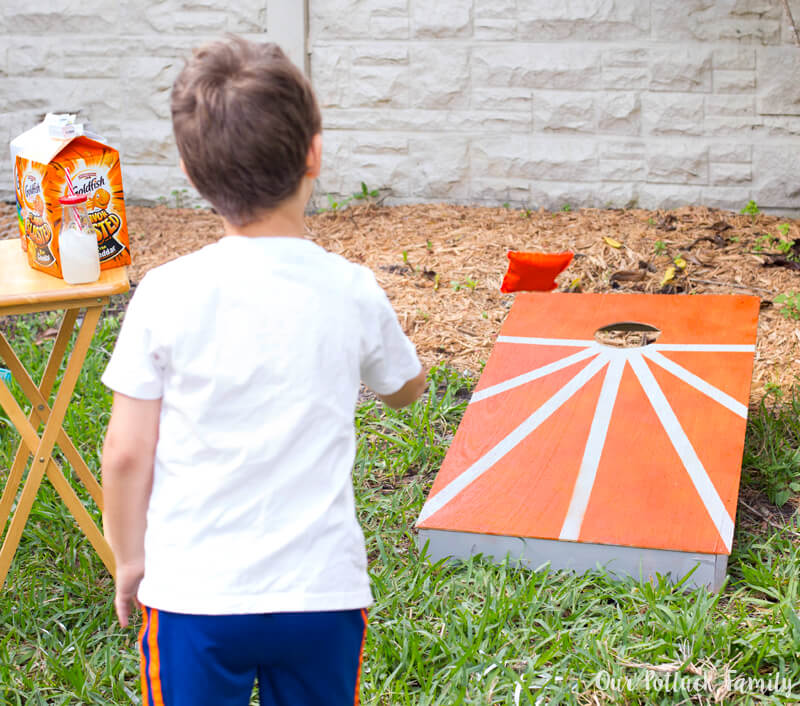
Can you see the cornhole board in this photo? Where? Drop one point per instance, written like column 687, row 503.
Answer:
column 583, row 454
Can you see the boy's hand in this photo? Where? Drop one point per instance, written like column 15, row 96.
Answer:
column 128, row 580
column 408, row 393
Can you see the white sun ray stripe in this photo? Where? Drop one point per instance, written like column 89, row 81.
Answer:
column 533, row 374
column 593, row 451
column 485, row 462
column 703, row 347
column 573, row 342
column 698, row 383
column 702, row 483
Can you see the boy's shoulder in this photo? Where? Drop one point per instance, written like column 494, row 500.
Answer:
column 360, row 274
column 183, row 263
column 206, row 264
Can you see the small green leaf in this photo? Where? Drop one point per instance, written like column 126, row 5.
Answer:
column 782, row 496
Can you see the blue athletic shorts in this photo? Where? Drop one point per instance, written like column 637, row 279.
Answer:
column 299, row 659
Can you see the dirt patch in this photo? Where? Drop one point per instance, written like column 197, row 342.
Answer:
column 442, row 265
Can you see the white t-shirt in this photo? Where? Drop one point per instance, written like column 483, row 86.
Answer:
column 256, row 347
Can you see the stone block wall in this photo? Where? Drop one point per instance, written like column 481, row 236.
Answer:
column 531, row 102
column 544, row 102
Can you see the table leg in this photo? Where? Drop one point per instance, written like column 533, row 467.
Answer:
column 68, row 495
column 31, row 487
column 82, row 517
column 43, row 449
column 31, row 440
column 48, row 380
column 40, row 413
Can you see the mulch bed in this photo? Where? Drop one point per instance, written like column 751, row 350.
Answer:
column 442, row 265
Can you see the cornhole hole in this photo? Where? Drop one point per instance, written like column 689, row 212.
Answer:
column 606, row 430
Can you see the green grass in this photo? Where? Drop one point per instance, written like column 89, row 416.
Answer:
column 461, row 633
column 772, row 452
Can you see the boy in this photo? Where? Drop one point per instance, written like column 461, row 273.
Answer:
column 227, row 463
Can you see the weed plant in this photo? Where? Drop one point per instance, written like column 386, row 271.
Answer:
column 468, row 632
column 365, row 195
column 180, row 197
column 751, row 209
column 789, row 305
column 772, row 452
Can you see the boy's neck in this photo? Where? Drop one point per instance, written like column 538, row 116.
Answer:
column 287, row 221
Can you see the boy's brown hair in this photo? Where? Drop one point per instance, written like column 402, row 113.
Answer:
column 244, row 116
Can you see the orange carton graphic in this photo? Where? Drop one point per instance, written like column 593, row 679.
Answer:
column 51, row 168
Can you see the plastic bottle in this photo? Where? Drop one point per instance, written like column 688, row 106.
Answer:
column 77, row 242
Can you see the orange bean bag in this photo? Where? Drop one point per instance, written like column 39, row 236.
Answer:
column 534, row 271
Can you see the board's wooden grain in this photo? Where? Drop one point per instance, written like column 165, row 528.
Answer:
column 681, row 318
column 503, row 367
column 642, row 496
column 532, row 485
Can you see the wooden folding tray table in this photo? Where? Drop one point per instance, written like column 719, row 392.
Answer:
column 26, row 291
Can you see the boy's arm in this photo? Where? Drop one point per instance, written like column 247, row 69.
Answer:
column 407, row 393
column 389, row 364
column 128, row 456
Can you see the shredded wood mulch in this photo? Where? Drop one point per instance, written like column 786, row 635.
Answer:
column 442, row 265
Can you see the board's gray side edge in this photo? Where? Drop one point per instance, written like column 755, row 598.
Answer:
column 721, row 571
column 640, row 562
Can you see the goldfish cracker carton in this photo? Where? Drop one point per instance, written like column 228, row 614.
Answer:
column 51, row 161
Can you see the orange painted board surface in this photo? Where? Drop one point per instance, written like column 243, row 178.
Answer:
column 567, row 438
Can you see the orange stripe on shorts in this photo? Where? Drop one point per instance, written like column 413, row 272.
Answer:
column 155, row 665
column 143, row 673
column 361, row 656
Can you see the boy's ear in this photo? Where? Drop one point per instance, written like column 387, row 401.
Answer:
column 185, row 173
column 314, row 159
